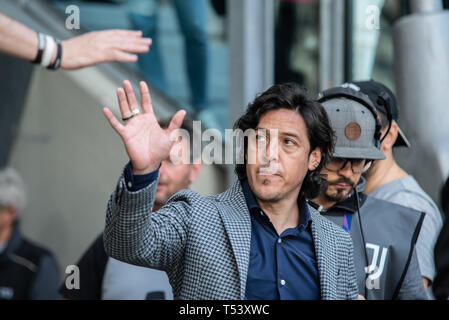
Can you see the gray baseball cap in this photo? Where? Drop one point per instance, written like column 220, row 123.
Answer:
column 354, row 125
column 373, row 90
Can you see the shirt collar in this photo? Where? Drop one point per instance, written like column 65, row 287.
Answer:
column 253, row 206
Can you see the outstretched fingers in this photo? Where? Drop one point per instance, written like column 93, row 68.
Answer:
column 132, row 101
column 176, row 121
column 118, row 55
column 115, row 124
column 125, row 111
column 145, row 98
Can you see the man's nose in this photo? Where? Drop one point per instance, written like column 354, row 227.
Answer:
column 346, row 171
column 272, row 151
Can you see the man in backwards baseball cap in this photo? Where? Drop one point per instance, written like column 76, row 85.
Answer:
column 386, row 106
column 386, row 180
column 383, row 233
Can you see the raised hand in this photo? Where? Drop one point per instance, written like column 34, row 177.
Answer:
column 146, row 143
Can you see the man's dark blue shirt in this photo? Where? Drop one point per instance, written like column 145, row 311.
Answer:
column 280, row 266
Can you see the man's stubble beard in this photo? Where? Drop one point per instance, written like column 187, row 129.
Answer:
column 337, row 197
column 340, row 196
column 276, row 197
column 273, row 199
column 160, row 201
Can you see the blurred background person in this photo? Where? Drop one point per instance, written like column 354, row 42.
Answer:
column 27, row 271
column 192, row 21
column 386, row 180
column 383, row 233
column 102, row 277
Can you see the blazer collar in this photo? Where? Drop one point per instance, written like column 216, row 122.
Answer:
column 324, row 251
column 254, row 208
column 236, row 219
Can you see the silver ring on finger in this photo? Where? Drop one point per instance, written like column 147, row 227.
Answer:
column 128, row 118
column 135, row 112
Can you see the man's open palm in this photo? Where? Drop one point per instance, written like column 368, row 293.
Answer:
column 146, row 143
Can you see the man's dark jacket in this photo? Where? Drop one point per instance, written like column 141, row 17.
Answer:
column 27, row 271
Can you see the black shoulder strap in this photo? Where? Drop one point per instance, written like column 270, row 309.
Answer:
column 412, row 247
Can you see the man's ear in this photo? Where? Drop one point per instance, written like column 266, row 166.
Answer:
column 314, row 159
column 390, row 139
column 195, row 171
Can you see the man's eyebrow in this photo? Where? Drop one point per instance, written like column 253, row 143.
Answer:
column 290, row 134
column 282, row 133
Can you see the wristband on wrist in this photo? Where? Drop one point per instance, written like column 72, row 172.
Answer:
column 40, row 48
column 48, row 51
column 57, row 62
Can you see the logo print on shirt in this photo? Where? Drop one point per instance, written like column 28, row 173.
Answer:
column 374, row 270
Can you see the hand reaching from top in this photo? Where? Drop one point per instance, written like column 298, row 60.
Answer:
column 103, row 46
column 146, row 143
column 81, row 51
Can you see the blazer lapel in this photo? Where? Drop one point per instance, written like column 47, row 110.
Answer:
column 236, row 219
column 324, row 255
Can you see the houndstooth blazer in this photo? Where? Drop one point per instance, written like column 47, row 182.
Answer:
column 203, row 243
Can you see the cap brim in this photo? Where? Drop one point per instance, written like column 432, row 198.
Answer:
column 402, row 140
column 359, row 153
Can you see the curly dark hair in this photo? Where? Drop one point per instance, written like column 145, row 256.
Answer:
column 294, row 97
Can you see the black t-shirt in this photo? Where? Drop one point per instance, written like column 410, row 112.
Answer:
column 27, row 270
column 91, row 266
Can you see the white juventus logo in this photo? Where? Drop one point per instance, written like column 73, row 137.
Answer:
column 374, row 270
